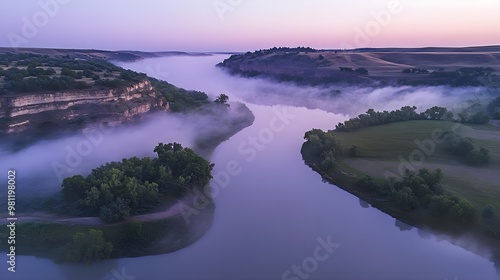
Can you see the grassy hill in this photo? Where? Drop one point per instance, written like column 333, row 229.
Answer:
column 407, row 170
column 385, row 148
column 443, row 66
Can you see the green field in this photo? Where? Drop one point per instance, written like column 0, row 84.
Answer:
column 388, row 148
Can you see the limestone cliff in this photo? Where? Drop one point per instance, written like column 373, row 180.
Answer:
column 22, row 112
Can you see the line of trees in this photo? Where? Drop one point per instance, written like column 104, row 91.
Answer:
column 362, row 71
column 465, row 76
column 117, row 189
column 406, row 113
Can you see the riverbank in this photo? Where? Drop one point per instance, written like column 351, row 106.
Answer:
column 379, row 150
column 168, row 230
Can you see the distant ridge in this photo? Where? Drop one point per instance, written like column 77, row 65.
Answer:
column 100, row 54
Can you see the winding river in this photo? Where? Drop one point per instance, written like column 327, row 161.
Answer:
column 275, row 218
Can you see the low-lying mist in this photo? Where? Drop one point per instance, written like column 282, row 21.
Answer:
column 42, row 166
column 200, row 73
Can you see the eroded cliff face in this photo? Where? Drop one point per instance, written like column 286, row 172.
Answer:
column 22, row 112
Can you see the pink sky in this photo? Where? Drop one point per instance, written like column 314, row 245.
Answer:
column 241, row 25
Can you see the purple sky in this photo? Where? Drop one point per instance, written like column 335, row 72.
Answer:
column 241, row 25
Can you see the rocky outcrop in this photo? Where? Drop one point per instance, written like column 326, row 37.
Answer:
column 21, row 112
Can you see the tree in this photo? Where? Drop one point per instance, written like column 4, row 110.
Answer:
column 432, row 179
column 405, row 199
column 222, row 99
column 88, row 247
column 464, row 212
column 353, row 151
column 74, row 188
column 441, row 204
column 478, row 157
column 480, row 117
column 362, row 71
column 436, row 113
column 488, row 212
column 494, row 108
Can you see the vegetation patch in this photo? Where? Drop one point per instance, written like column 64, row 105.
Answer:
column 117, row 189
column 372, row 167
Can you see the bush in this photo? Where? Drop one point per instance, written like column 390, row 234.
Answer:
column 479, row 118
column 367, row 183
column 464, row 212
column 488, row 212
column 353, row 151
column 362, row 71
column 478, row 157
column 441, row 204
column 405, row 199
column 87, row 247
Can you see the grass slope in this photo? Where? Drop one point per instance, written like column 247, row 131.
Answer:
column 384, row 148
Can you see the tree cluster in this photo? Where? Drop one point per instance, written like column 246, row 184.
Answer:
column 465, row 148
column 372, row 118
column 86, row 247
column 362, row 71
column 416, row 71
column 115, row 190
column 26, row 73
column 406, row 113
column 222, row 99
column 180, row 99
column 423, row 190
column 325, row 146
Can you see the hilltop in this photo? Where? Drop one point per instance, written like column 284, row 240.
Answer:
column 472, row 66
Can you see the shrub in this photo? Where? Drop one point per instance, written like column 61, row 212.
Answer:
column 87, row 247
column 405, row 199
column 353, row 151
column 464, row 212
column 488, row 212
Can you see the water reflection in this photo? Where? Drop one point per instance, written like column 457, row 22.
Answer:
column 403, row 226
column 364, row 204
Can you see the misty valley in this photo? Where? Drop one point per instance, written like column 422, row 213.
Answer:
column 286, row 163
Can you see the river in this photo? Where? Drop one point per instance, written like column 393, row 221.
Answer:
column 275, row 218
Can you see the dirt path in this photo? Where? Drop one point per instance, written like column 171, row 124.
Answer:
column 172, row 211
